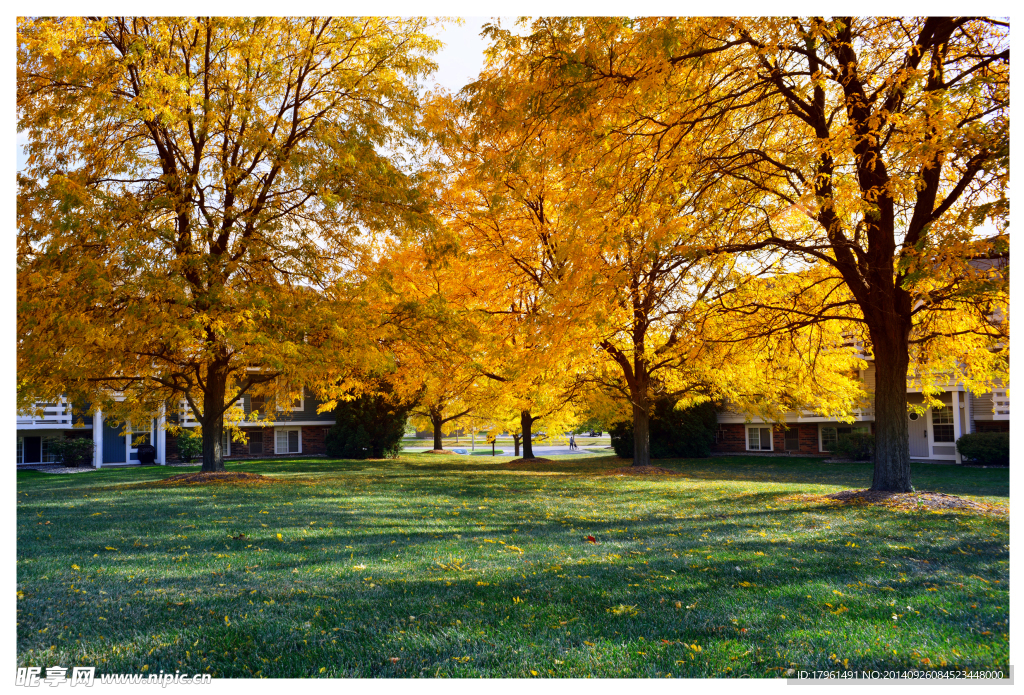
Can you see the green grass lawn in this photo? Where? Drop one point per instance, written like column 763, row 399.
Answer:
column 441, row 566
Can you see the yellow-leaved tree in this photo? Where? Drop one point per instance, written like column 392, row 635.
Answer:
column 889, row 135
column 195, row 190
column 605, row 239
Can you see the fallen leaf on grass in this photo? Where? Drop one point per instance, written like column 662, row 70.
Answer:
column 622, row 609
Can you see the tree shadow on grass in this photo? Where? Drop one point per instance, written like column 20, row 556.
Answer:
column 337, row 596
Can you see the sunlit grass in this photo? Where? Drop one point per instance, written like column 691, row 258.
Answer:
column 455, row 567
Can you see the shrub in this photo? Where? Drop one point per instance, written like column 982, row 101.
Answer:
column 370, row 426
column 687, row 433
column 986, row 448
column 859, row 446
column 190, row 445
column 73, row 452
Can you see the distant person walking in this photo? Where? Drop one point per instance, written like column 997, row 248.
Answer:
column 572, row 442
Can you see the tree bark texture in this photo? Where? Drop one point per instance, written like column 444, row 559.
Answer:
column 526, row 421
column 640, row 395
column 892, row 438
column 641, row 435
column 436, row 421
column 213, row 421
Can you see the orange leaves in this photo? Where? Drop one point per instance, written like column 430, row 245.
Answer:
column 242, row 285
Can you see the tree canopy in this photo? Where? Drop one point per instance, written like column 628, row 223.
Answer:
column 617, row 212
column 865, row 155
column 195, row 191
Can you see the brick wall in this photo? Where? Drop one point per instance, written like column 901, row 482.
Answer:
column 314, row 440
column 239, row 450
column 313, row 443
column 732, row 437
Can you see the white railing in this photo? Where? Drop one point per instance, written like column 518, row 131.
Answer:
column 185, row 416
column 58, row 413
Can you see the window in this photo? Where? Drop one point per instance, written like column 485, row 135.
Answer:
column 21, row 450
column 49, row 453
column 297, row 403
column 257, row 403
column 139, row 436
column 942, row 425
column 759, row 439
column 793, row 439
column 225, row 442
column 255, row 443
column 829, row 437
column 288, row 441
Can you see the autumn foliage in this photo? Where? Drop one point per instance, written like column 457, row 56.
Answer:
column 617, row 212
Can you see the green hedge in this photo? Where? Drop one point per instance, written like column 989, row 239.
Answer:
column 190, row 445
column 370, row 426
column 859, row 446
column 687, row 433
column 74, row 452
column 986, row 448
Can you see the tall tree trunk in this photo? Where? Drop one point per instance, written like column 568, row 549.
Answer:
column 640, row 395
column 436, row 421
column 527, row 425
column 641, row 435
column 515, row 439
column 213, row 420
column 892, row 439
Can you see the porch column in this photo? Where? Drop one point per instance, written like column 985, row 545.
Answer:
column 161, row 437
column 97, row 439
column 956, row 423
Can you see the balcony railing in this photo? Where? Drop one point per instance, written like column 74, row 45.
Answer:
column 58, row 413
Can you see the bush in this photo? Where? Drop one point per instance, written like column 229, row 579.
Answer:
column 687, row 433
column 859, row 446
column 73, row 453
column 190, row 445
column 985, row 448
column 370, row 426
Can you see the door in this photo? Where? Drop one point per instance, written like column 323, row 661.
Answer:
column 113, row 444
column 33, row 452
column 918, row 429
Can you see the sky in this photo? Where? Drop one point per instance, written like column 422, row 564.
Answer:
column 463, row 54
